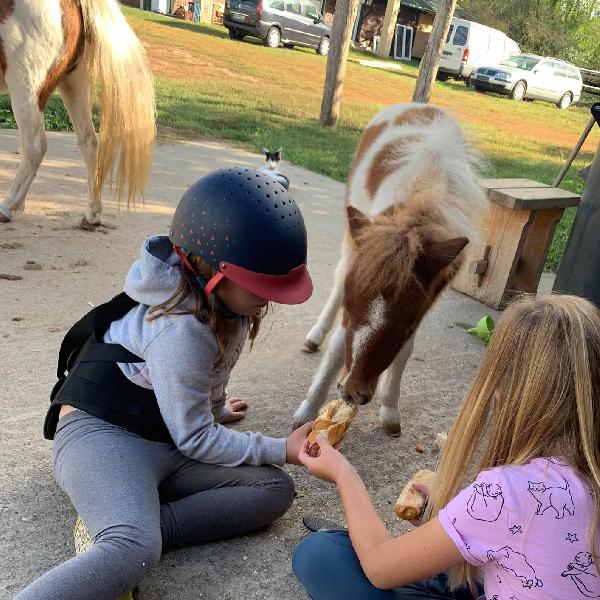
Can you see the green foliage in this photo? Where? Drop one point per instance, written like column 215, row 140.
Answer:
column 56, row 116
column 567, row 29
column 585, row 44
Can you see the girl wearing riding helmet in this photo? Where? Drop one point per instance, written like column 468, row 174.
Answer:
column 139, row 444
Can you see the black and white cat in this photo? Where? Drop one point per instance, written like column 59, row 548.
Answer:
column 272, row 167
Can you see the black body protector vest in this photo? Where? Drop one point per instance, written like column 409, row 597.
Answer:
column 90, row 380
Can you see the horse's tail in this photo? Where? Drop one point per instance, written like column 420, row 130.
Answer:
column 121, row 77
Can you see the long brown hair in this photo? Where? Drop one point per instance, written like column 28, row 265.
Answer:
column 537, row 394
column 205, row 307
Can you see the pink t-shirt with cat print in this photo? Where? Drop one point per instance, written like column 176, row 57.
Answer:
column 526, row 528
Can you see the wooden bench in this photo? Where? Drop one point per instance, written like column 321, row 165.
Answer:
column 517, row 235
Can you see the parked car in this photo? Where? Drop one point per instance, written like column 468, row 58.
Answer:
column 531, row 77
column 470, row 45
column 293, row 23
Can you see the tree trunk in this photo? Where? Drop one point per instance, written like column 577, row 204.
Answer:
column 433, row 52
column 341, row 30
column 388, row 28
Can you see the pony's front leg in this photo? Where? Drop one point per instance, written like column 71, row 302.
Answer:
column 331, row 363
column 327, row 317
column 389, row 390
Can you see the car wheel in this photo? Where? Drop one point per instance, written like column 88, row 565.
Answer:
column 290, row 46
column 565, row 101
column 235, row 34
column 518, row 92
column 273, row 38
column 442, row 76
column 469, row 81
column 323, row 48
column 478, row 88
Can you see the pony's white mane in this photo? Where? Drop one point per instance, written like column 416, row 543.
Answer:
column 432, row 164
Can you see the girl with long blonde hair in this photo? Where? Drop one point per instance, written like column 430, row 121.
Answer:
column 515, row 507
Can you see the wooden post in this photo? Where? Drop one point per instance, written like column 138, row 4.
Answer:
column 388, row 28
column 433, row 52
column 341, row 31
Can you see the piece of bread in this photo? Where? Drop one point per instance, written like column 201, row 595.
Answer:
column 333, row 422
column 410, row 503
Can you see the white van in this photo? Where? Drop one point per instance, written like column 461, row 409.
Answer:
column 470, row 45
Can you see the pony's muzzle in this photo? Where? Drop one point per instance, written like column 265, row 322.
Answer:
column 356, row 398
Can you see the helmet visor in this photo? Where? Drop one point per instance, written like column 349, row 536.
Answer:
column 294, row 287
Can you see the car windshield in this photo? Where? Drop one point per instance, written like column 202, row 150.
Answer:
column 521, row 62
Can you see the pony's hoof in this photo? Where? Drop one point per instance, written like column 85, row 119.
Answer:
column 298, row 423
column 310, row 347
column 6, row 214
column 393, row 430
column 301, row 416
column 390, row 420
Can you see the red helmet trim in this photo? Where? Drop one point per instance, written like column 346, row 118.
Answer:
column 294, row 287
column 212, row 283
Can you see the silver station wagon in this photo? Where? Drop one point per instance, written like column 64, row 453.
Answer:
column 531, row 77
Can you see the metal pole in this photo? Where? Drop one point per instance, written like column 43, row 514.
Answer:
column 574, row 153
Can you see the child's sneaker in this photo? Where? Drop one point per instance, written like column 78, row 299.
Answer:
column 81, row 536
column 83, row 542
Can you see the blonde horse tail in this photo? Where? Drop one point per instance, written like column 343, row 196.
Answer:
column 122, row 81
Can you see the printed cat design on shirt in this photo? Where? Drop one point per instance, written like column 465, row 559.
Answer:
column 583, row 574
column 516, row 563
column 558, row 498
column 486, row 502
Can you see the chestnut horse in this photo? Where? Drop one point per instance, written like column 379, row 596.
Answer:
column 78, row 47
column 413, row 201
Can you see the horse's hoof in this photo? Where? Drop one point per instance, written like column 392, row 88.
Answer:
column 87, row 225
column 6, row 214
column 310, row 347
column 393, row 430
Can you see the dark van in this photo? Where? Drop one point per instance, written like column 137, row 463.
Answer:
column 292, row 23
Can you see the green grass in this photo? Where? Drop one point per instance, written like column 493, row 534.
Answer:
column 252, row 96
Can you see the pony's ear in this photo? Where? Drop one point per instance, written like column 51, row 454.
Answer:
column 438, row 254
column 265, row 151
column 357, row 221
column 279, row 150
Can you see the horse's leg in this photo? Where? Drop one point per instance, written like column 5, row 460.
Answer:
column 331, row 363
column 327, row 317
column 33, row 144
column 389, row 390
column 75, row 92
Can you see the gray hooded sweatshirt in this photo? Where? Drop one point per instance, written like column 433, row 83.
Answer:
column 182, row 367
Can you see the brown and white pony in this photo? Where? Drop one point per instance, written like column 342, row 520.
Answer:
column 412, row 203
column 78, row 47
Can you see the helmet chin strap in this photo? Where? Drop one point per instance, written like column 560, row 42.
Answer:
column 207, row 287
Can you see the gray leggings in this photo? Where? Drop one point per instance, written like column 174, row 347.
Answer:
column 138, row 497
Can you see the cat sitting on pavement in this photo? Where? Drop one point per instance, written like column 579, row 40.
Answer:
column 272, row 167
